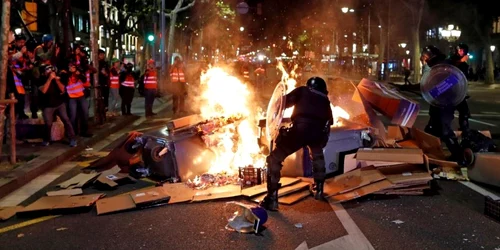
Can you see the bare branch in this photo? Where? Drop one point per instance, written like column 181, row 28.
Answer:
column 191, row 4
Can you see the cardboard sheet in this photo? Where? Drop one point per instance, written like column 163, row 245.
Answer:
column 78, row 181
column 362, row 191
column 151, row 196
column 78, row 201
column 63, row 202
column 429, row 144
column 179, row 192
column 295, row 197
column 486, row 169
column 283, row 191
column 405, row 155
column 260, row 189
column 7, row 212
column 115, row 204
column 214, row 193
column 350, row 181
column 73, row 191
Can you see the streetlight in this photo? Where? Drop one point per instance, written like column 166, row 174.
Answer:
column 492, row 48
column 18, row 31
column 351, row 10
column 284, row 38
column 77, row 38
column 407, row 52
column 403, row 45
column 345, row 9
column 242, row 28
column 451, row 33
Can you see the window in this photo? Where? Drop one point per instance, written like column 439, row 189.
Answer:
column 80, row 23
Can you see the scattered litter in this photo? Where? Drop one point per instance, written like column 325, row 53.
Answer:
column 298, row 225
column 20, row 235
column 398, row 222
column 89, row 149
column 62, row 229
column 202, row 232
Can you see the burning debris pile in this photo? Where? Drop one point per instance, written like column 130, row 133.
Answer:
column 229, row 131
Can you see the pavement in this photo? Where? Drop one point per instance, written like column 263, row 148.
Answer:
column 43, row 159
column 449, row 217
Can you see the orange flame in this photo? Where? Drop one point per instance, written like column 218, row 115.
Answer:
column 226, row 96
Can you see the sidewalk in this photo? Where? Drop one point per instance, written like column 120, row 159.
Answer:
column 35, row 159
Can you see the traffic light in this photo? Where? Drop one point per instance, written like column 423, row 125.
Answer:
column 151, row 38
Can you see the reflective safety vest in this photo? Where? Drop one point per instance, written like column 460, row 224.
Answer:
column 114, row 81
column 260, row 71
column 150, row 81
column 75, row 88
column 19, row 84
column 87, row 83
column 129, row 82
column 177, row 75
column 246, row 73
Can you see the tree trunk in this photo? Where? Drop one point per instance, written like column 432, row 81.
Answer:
column 66, row 29
column 53, row 21
column 171, row 35
column 416, row 58
column 4, row 44
column 489, row 77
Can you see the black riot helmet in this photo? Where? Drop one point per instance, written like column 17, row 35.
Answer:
column 432, row 55
column 463, row 47
column 318, row 84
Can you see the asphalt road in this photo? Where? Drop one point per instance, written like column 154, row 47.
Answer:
column 449, row 217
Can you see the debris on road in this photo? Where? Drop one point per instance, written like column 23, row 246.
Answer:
column 20, row 235
column 60, row 204
column 298, row 225
column 247, row 218
column 62, row 229
column 8, row 212
column 398, row 222
column 73, row 191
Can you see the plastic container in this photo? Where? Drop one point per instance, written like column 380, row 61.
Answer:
column 444, row 86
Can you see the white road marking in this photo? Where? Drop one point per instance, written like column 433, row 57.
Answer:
column 355, row 239
column 480, row 190
column 426, row 113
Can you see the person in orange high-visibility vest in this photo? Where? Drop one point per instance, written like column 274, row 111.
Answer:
column 127, row 88
column 114, row 85
column 150, row 87
column 15, row 85
column 78, row 104
column 178, row 81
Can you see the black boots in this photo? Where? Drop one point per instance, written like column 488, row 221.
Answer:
column 318, row 190
column 270, row 202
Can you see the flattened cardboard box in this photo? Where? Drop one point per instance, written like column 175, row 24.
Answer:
column 405, row 155
column 214, row 193
column 362, row 191
column 78, row 181
column 151, row 196
column 350, row 181
column 260, row 189
column 65, row 203
column 283, row 191
column 115, row 204
column 7, row 212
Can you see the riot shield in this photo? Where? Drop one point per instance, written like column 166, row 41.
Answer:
column 444, row 86
column 275, row 111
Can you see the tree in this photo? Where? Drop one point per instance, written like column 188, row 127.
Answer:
column 4, row 44
column 172, row 15
column 415, row 8
column 135, row 10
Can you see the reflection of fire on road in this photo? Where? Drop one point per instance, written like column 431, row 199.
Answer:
column 290, row 83
column 231, row 133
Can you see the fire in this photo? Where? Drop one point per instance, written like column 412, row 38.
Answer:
column 291, row 84
column 235, row 144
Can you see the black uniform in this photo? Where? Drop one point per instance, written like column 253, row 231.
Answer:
column 311, row 120
column 127, row 93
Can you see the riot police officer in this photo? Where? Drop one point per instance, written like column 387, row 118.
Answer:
column 440, row 118
column 311, row 121
column 459, row 59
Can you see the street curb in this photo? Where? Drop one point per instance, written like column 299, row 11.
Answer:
column 38, row 166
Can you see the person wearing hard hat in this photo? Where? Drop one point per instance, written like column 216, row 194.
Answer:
column 150, row 87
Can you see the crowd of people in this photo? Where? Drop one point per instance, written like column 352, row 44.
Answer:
column 60, row 86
